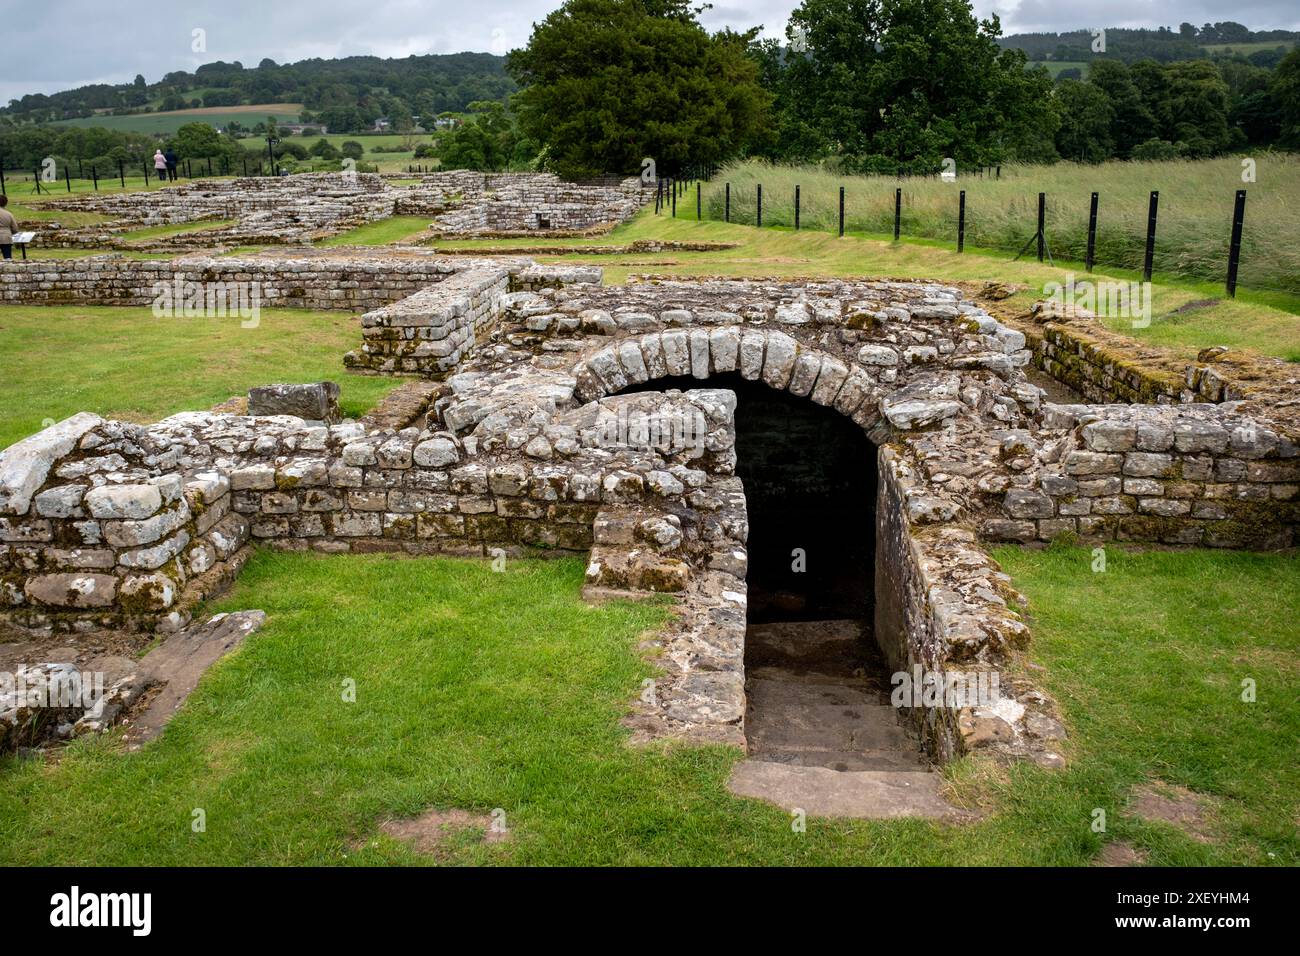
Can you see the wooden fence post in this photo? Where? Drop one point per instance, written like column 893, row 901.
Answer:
column 841, row 212
column 898, row 211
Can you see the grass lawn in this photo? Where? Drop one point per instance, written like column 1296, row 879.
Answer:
column 381, row 232
column 1268, row 322
column 177, row 229
column 125, row 363
column 480, row 690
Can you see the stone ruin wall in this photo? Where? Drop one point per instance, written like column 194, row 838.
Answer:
column 107, row 524
column 310, row 283
column 302, row 208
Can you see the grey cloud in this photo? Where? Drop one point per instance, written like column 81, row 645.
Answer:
column 89, row 41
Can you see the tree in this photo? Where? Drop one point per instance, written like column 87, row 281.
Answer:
column 887, row 83
column 489, row 140
column 352, row 149
column 1133, row 120
column 1286, row 96
column 324, row 149
column 1086, row 122
column 194, row 140
column 607, row 83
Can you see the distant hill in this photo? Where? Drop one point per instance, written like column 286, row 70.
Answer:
column 1165, row 44
column 347, row 95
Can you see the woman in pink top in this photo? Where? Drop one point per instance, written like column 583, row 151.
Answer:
column 160, row 165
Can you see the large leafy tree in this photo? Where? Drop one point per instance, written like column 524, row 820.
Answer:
column 1133, row 120
column 884, row 83
column 488, row 140
column 1286, row 96
column 1087, row 118
column 608, row 83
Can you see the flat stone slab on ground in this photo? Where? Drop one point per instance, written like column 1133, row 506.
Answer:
column 181, row 661
column 858, row 794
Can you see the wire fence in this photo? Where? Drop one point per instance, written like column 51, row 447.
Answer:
column 1247, row 237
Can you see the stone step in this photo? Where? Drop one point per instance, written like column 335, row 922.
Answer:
column 828, row 726
column 792, row 694
column 844, row 760
column 863, row 794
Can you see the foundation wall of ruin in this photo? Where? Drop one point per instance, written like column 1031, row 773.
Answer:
column 430, row 332
column 1101, row 372
column 351, row 285
column 1194, row 474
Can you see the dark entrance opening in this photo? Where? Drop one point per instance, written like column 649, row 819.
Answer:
column 810, row 484
column 816, row 682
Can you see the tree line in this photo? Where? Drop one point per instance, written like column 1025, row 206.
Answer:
column 869, row 86
column 346, row 95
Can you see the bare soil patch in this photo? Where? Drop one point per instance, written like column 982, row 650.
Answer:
column 432, row 831
column 1179, row 807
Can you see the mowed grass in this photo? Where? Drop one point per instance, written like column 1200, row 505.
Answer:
column 485, row 691
column 177, row 229
column 125, row 363
column 382, row 232
column 1268, row 323
column 1194, row 222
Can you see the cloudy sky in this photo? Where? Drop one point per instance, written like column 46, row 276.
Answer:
column 90, row 41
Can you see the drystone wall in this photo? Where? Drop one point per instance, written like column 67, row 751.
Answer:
column 284, row 209
column 302, row 208
column 526, row 204
column 529, row 442
column 349, row 283
column 1072, row 346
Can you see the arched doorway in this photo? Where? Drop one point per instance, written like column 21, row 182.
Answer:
column 817, row 685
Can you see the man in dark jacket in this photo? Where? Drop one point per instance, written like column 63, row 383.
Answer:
column 170, row 156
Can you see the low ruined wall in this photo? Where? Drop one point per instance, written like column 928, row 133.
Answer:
column 1098, row 371
column 270, row 209
column 428, row 333
column 80, row 550
column 944, row 612
column 348, row 284
column 108, row 523
column 1194, row 474
column 1112, row 370
column 523, row 203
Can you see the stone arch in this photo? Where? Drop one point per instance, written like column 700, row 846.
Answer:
column 768, row 355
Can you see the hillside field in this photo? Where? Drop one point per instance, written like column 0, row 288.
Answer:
column 174, row 120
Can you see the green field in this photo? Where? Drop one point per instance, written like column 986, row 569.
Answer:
column 1246, row 49
column 170, row 122
column 387, row 162
column 481, row 690
column 382, row 233
column 1055, row 67
column 1192, row 235
column 192, row 363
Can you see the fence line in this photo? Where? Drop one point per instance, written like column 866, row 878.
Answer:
column 1039, row 238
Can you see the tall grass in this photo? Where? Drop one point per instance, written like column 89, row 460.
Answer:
column 1192, row 235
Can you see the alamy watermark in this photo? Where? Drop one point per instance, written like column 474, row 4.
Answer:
column 57, row 687
column 1110, row 298
column 956, row 689
column 667, row 431
column 208, row 300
